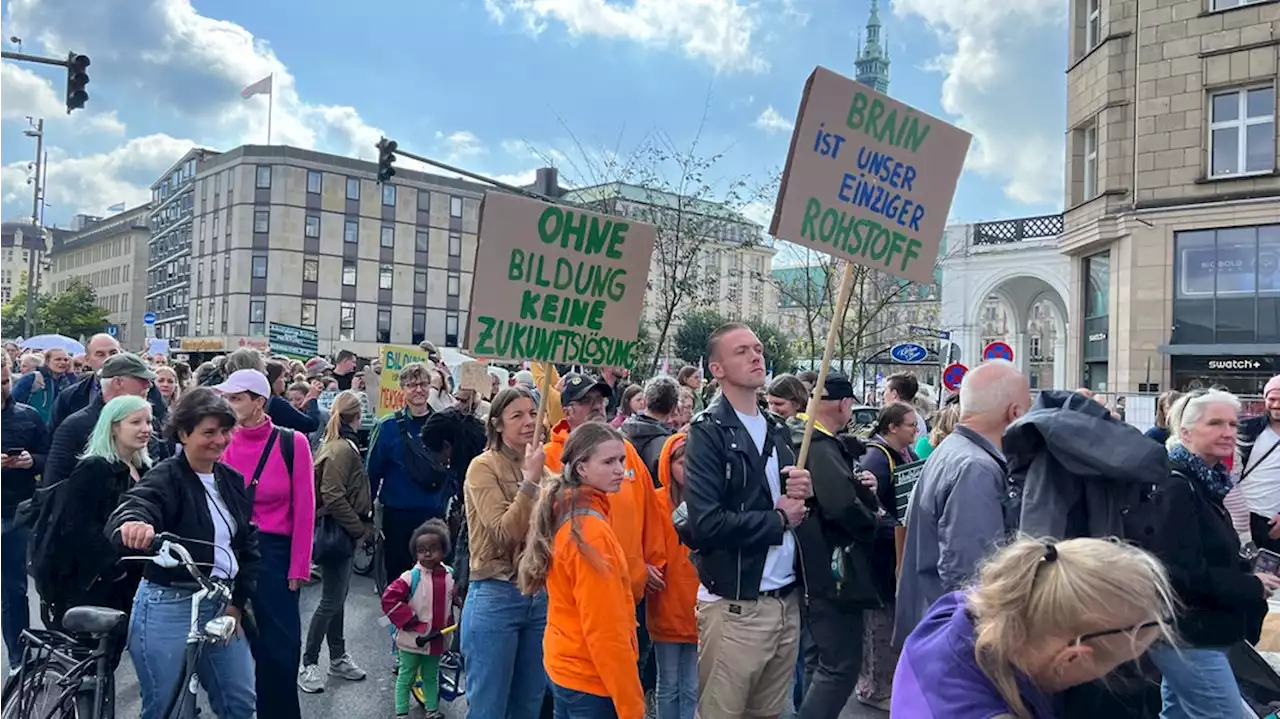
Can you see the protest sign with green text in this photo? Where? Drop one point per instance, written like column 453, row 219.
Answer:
column 868, row 179
column 557, row 283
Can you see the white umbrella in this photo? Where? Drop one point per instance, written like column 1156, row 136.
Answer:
column 53, row 342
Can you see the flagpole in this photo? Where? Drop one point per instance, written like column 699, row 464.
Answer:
column 271, row 101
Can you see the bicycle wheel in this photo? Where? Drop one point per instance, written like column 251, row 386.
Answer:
column 362, row 560
column 36, row 693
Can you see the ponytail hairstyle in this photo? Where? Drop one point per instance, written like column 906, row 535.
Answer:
column 1033, row 588
column 556, row 498
column 345, row 410
column 891, row 414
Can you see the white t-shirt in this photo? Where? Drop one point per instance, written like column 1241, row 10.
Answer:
column 224, row 528
column 1261, row 489
column 780, row 561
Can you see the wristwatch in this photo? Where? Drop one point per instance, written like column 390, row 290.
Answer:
column 786, row 524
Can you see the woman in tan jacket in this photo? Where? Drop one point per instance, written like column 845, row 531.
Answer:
column 342, row 493
column 502, row 628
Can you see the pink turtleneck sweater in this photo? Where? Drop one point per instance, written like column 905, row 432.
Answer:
column 282, row 504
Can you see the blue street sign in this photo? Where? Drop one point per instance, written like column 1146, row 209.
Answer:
column 908, row 352
column 148, row 318
column 930, row 332
column 113, row 330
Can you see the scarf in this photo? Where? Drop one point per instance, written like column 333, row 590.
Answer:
column 1215, row 480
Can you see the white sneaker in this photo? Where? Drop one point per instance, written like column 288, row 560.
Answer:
column 310, row 680
column 344, row 668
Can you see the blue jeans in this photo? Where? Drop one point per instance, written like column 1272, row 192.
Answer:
column 677, row 692
column 276, row 638
column 502, row 642
column 573, row 704
column 158, row 644
column 14, row 617
column 1197, row 684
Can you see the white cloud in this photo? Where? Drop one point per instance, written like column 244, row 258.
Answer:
column 995, row 85
column 460, row 145
column 718, row 32
column 771, row 121
column 27, row 94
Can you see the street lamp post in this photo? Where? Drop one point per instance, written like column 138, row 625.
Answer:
column 36, row 197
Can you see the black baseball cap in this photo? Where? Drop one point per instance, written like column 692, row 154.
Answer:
column 576, row 387
column 837, row 387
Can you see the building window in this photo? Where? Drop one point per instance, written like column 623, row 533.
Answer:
column 312, row 228
column 1093, row 24
column 347, row 321
column 308, row 313
column 1228, row 4
column 419, row 326
column 314, row 179
column 348, row 273
column 455, row 244
column 259, row 268
column 384, row 325
column 419, row 280
column 421, row 240
column 1242, row 131
column 257, row 318
column 451, row 330
column 311, row 270
column 389, row 195
column 351, row 232
column 261, row 220
column 1036, row 352
column 1090, row 137
column 454, row 286
column 226, row 314
column 424, row 201
column 386, row 274
column 455, row 207
column 388, row 237
column 1226, row 289
column 264, row 177
column 353, row 188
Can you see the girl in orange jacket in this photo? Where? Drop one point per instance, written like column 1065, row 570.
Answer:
column 670, row 611
column 589, row 647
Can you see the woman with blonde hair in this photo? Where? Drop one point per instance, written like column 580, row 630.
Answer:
column 167, row 383
column 1041, row 618
column 944, row 423
column 589, row 650
column 343, row 506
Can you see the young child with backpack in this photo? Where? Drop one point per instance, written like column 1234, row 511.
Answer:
column 420, row 604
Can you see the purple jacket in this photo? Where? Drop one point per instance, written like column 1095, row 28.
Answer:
column 938, row 675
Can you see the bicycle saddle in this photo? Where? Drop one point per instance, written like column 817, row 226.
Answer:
column 92, row 620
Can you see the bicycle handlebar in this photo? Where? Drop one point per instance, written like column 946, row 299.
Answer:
column 169, row 552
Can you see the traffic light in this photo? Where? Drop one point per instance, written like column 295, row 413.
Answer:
column 386, row 158
column 77, row 78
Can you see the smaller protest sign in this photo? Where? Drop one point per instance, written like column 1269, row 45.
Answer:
column 475, row 376
column 297, row 342
column 559, row 284
column 868, row 179
column 394, row 357
column 905, row 477
column 326, row 398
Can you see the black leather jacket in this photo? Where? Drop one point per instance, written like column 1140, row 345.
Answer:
column 732, row 520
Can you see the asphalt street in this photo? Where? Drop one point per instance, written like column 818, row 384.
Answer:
column 369, row 645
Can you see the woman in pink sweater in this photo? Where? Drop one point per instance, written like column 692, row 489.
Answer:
column 276, row 464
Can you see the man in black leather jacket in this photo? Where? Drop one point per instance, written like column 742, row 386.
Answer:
column 744, row 499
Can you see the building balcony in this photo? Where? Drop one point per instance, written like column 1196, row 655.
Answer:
column 1004, row 232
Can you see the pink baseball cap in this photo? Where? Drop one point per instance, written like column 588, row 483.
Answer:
column 245, row 380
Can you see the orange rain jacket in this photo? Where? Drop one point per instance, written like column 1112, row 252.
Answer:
column 635, row 515
column 669, row 613
column 590, row 641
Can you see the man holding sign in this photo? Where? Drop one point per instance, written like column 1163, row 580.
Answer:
column 744, row 500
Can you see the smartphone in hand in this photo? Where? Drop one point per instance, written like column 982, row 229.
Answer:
column 1267, row 561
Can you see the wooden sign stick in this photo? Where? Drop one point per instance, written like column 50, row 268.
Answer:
column 842, row 301
column 544, row 394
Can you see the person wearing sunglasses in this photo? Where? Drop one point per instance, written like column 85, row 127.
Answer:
column 1041, row 618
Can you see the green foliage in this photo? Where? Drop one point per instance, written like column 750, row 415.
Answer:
column 74, row 312
column 779, row 352
column 691, row 337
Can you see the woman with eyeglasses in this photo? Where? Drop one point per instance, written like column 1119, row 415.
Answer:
column 1041, row 618
column 1225, row 601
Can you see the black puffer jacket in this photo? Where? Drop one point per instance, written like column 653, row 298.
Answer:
column 22, row 429
column 647, row 435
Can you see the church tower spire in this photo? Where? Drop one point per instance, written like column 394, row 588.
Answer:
column 873, row 57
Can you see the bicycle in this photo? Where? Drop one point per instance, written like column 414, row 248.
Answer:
column 68, row 675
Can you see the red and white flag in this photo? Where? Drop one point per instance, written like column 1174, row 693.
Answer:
column 261, row 87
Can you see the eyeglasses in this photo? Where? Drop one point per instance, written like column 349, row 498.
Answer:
column 1123, row 630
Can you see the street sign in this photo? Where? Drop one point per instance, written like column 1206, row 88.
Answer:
column 113, row 330
column 998, row 351
column 953, row 375
column 298, row 342
column 930, row 332
column 148, row 318
column 908, row 353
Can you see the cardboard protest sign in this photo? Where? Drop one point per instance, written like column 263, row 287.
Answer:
column 475, row 376
column 394, row 357
column 868, row 179
column 558, row 284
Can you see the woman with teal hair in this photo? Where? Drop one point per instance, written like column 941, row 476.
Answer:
column 86, row 562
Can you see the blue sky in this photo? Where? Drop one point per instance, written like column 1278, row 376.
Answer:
column 498, row 86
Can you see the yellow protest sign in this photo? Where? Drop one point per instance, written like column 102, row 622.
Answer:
column 390, row 398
